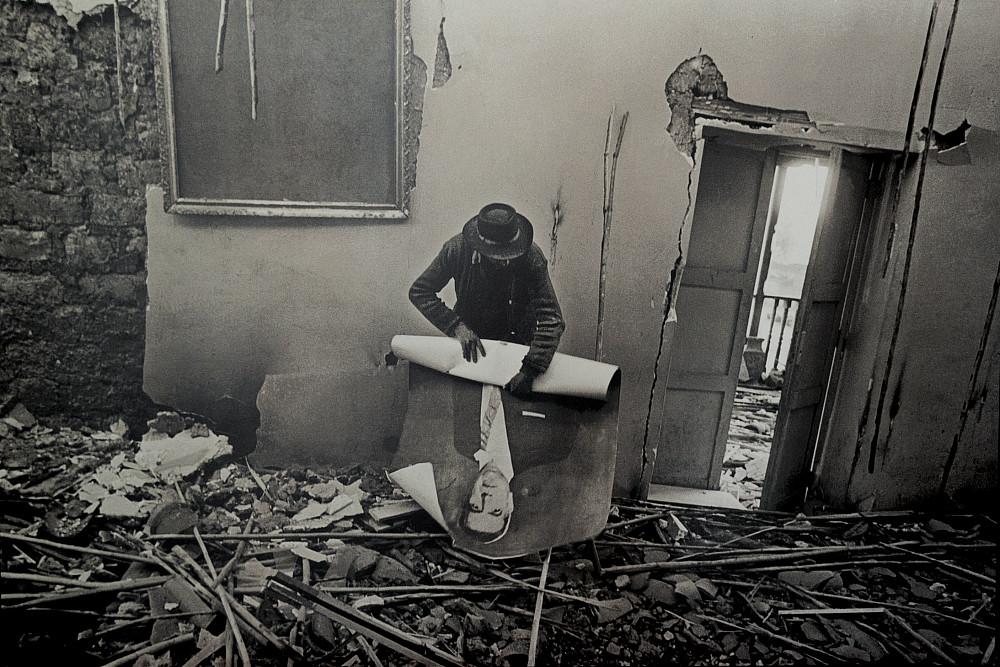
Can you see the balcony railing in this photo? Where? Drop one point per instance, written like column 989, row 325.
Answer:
column 774, row 321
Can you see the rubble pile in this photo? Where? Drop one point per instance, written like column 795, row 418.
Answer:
column 748, row 445
column 200, row 559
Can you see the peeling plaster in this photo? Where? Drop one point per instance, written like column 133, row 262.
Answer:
column 442, row 60
column 74, row 10
column 416, row 72
column 695, row 77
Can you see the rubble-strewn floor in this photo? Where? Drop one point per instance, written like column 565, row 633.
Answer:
column 749, row 443
column 84, row 581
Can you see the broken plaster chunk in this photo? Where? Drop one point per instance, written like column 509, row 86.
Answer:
column 20, row 417
column 120, row 506
column 695, row 77
column 181, row 455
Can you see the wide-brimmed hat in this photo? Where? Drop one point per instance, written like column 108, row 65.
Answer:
column 499, row 232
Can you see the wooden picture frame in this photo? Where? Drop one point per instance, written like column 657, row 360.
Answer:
column 308, row 116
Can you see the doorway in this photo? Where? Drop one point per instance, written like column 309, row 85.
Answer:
column 752, row 275
column 799, row 182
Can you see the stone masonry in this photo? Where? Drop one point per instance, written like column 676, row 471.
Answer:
column 72, row 210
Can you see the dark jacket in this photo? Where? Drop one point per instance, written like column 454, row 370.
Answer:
column 515, row 303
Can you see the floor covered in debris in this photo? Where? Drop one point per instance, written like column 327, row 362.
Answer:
column 122, row 552
column 748, row 446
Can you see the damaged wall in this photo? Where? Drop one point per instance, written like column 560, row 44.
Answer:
column 956, row 259
column 72, row 214
column 522, row 117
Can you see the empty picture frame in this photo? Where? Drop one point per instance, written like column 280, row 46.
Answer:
column 331, row 81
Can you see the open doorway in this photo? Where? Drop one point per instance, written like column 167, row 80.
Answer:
column 793, row 212
column 810, row 208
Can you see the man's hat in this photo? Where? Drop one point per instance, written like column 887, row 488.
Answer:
column 499, row 232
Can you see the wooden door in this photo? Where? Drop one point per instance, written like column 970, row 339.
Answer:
column 817, row 334
column 713, row 308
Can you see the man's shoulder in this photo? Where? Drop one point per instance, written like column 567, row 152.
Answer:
column 535, row 257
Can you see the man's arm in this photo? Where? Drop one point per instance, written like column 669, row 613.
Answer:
column 423, row 295
column 424, row 291
column 549, row 325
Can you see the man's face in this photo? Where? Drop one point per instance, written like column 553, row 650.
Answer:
column 490, row 503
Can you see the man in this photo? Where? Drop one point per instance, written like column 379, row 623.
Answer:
column 502, row 288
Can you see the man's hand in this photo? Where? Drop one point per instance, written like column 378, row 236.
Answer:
column 472, row 347
column 520, row 384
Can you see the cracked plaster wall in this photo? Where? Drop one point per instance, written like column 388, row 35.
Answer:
column 955, row 262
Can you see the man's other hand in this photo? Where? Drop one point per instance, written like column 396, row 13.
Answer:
column 472, row 347
column 520, row 385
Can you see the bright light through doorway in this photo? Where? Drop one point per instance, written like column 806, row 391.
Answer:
column 797, row 202
column 793, row 235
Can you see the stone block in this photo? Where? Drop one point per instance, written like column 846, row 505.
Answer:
column 118, row 211
column 114, row 288
column 29, row 289
column 24, row 245
column 85, row 250
column 42, row 207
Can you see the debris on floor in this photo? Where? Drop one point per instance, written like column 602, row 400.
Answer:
column 234, row 565
column 748, row 446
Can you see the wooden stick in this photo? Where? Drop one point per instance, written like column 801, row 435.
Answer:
column 152, row 648
column 367, row 646
column 247, row 621
column 343, row 535
column 848, row 598
column 14, row 537
column 758, row 630
column 201, row 656
column 738, row 562
column 48, row 579
column 300, row 613
column 252, row 49
column 949, row 566
column 141, row 621
column 220, row 37
column 116, row 587
column 240, row 550
column 240, row 644
column 609, row 198
column 537, row 618
column 832, row 611
column 928, row 644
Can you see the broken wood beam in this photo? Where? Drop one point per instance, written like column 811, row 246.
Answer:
column 221, row 592
column 863, row 601
column 114, row 587
column 296, row 593
column 234, row 561
column 537, row 617
column 152, row 648
column 833, row 611
column 926, row 643
column 740, row 561
column 14, row 537
column 341, row 535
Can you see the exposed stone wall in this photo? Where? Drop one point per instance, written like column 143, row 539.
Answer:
column 72, row 209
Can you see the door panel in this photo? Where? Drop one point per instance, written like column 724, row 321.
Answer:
column 817, row 332
column 713, row 308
